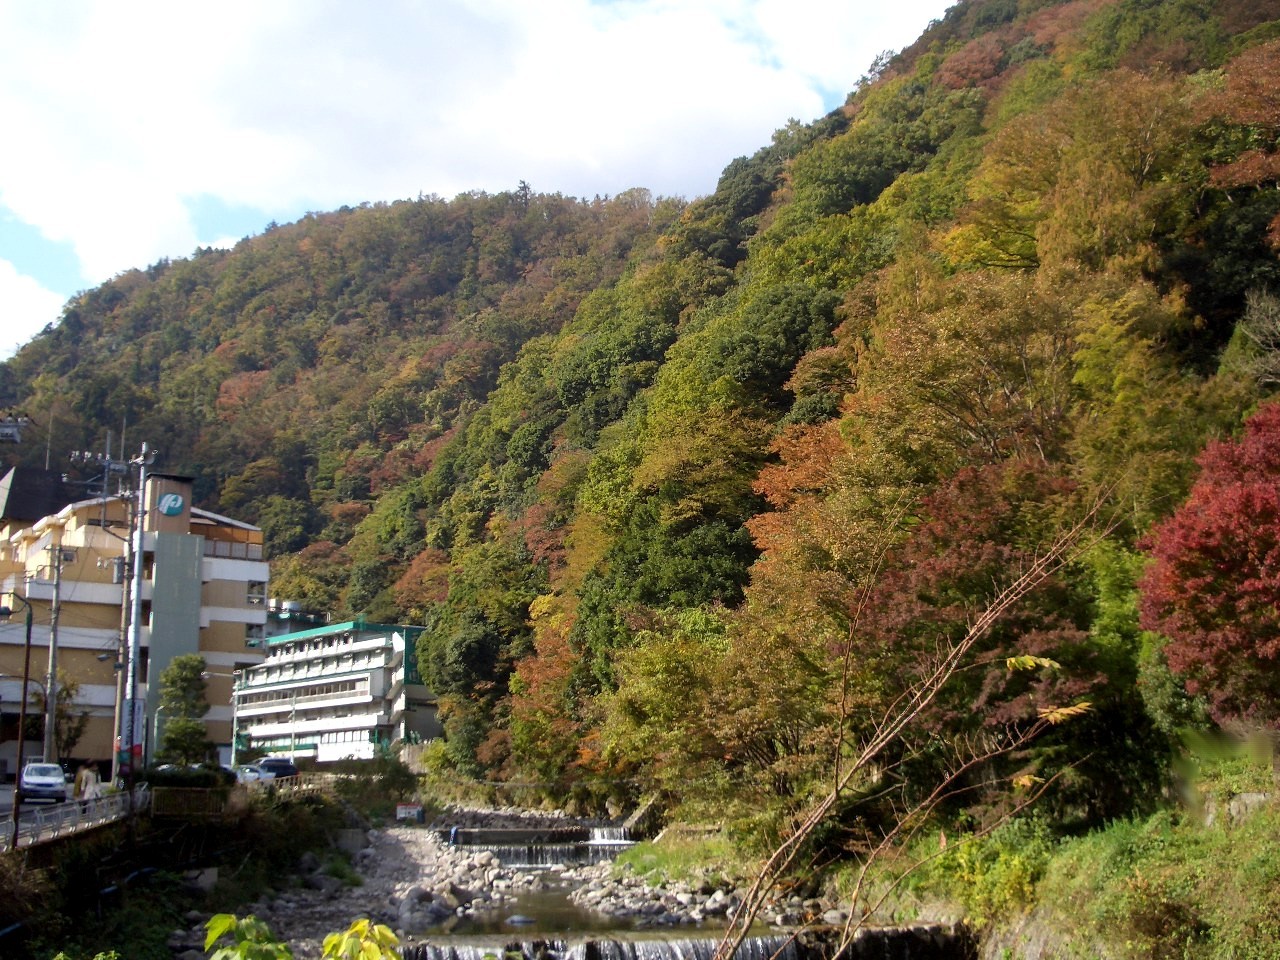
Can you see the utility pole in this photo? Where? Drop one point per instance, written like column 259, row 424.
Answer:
column 51, row 676
column 131, row 741
column 122, row 566
column 124, row 576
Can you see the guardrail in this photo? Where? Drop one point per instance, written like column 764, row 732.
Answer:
column 40, row 824
column 44, row 823
column 302, row 783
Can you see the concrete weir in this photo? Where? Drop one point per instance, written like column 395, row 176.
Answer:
column 533, row 849
column 916, row 942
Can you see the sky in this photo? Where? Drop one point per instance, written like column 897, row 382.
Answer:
column 137, row 130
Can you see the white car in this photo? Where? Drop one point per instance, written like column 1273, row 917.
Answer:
column 42, row 781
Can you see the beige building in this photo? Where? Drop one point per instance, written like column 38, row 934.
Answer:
column 204, row 591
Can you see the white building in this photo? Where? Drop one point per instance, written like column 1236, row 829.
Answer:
column 335, row 692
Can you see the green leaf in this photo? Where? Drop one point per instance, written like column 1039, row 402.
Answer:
column 216, row 926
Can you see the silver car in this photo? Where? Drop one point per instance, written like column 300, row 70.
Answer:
column 42, row 781
column 251, row 773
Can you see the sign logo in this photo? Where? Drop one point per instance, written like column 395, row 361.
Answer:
column 170, row 504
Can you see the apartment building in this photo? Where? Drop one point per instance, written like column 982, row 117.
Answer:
column 335, row 692
column 204, row 591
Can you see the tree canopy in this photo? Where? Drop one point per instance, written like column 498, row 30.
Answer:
column 715, row 476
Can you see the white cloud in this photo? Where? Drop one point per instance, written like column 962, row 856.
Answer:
column 26, row 308
column 118, row 117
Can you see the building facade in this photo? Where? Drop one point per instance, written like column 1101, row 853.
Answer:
column 335, row 692
column 203, row 591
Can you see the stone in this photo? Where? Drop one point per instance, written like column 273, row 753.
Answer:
column 1242, row 805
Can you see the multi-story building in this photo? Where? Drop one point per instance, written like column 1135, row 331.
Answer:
column 335, row 692
column 204, row 591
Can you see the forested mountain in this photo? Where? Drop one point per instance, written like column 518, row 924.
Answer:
column 687, row 494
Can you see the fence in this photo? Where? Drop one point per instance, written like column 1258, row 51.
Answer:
column 45, row 823
column 40, row 824
column 188, row 803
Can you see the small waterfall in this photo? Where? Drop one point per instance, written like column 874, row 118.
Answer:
column 608, row 948
column 540, row 856
column 927, row 942
column 608, row 835
column 522, row 850
column 682, row 948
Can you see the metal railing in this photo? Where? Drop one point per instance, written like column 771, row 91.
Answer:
column 233, row 550
column 302, row 783
column 42, row 824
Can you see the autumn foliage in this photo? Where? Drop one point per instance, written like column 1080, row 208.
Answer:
column 685, row 494
column 1214, row 586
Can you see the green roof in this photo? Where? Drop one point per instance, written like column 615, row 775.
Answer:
column 353, row 626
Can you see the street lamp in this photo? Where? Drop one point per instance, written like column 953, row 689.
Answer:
column 155, row 731
column 6, row 613
column 235, row 683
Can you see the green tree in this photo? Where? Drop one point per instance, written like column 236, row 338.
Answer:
column 68, row 723
column 182, row 705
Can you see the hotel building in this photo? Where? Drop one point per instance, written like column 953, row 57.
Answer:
column 335, row 692
column 204, row 591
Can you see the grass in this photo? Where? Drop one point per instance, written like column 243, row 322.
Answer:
column 1191, row 882
column 709, row 859
column 1171, row 887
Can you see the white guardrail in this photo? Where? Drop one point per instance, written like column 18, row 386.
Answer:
column 39, row 824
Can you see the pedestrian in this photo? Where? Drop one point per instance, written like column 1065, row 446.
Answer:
column 92, row 782
column 78, row 789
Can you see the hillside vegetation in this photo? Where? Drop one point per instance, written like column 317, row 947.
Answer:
column 689, row 494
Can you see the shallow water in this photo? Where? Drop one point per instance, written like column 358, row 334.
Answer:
column 551, row 912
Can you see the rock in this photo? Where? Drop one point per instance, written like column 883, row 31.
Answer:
column 324, row 883
column 1242, row 805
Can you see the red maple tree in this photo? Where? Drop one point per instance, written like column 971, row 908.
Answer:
column 1214, row 587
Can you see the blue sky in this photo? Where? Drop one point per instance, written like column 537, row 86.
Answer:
column 142, row 130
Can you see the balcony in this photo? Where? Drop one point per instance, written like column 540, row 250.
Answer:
column 232, row 550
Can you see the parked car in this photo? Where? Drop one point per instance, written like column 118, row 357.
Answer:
column 278, row 767
column 42, row 781
column 252, row 773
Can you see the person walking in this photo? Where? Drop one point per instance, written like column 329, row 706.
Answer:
column 92, row 782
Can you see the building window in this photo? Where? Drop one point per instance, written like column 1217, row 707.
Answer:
column 253, row 634
column 257, row 592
